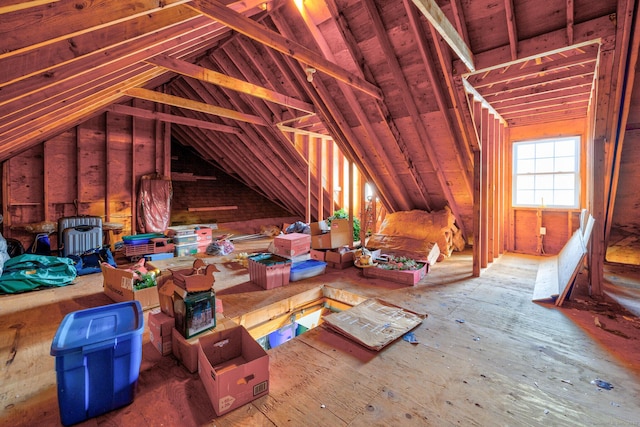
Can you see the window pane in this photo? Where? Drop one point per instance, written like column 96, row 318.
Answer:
column 524, row 197
column 544, row 165
column 544, row 182
column 564, row 182
column 526, row 166
column 564, row 198
column 566, row 148
column 544, row 197
column 544, row 149
column 526, row 151
column 546, row 172
column 526, row 182
column 565, row 164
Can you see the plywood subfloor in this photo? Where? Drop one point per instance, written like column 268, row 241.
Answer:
column 486, row 355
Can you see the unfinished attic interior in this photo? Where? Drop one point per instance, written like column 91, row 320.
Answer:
column 474, row 164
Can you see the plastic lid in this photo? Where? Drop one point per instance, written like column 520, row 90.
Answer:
column 96, row 325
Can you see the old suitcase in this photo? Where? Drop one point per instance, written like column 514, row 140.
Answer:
column 79, row 234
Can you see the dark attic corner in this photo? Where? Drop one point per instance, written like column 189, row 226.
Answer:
column 319, row 213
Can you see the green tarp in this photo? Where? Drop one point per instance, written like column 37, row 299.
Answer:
column 28, row 272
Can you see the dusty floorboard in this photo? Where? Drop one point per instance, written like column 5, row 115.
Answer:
column 486, row 355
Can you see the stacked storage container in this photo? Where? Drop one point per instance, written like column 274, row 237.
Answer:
column 98, row 354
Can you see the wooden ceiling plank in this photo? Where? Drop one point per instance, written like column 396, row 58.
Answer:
column 550, row 91
column 75, row 111
column 599, row 30
column 219, row 79
column 260, row 144
column 511, row 29
column 574, row 101
column 176, row 101
column 405, row 91
column 500, row 104
column 102, row 43
column 122, row 56
column 412, row 108
column 231, row 62
column 170, row 118
column 49, row 102
column 463, row 153
column 274, row 139
column 255, row 31
column 568, row 78
column 24, row 5
column 336, row 123
column 373, row 142
column 581, row 62
column 38, row 102
column 68, row 19
column 436, row 17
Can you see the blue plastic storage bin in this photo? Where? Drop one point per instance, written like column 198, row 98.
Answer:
column 98, row 353
column 306, row 269
column 282, row 335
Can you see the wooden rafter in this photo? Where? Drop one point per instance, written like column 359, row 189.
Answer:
column 570, row 14
column 189, row 104
column 255, row 31
column 436, row 17
column 511, row 29
column 219, row 79
column 171, row 118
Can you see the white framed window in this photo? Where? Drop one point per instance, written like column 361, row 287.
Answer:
column 546, row 173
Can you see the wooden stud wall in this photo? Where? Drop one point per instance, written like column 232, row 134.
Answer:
column 92, row 169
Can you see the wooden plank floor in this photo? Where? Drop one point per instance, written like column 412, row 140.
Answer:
column 486, row 355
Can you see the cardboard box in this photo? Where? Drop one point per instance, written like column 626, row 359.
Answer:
column 118, row 285
column 318, row 255
column 166, row 297
column 339, row 256
column 233, row 367
column 293, row 244
column 340, row 234
column 160, row 326
column 319, row 227
column 408, row 277
column 169, row 292
column 186, row 350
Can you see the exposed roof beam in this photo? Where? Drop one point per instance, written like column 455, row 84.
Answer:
column 170, row 118
column 176, row 101
column 259, row 33
column 570, row 14
column 436, row 17
column 511, row 28
column 209, row 76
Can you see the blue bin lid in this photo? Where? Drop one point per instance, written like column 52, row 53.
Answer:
column 308, row 264
column 97, row 325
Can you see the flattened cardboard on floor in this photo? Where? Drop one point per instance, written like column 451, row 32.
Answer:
column 374, row 323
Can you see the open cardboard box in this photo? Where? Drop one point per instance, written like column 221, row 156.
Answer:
column 233, row 367
column 118, row 285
